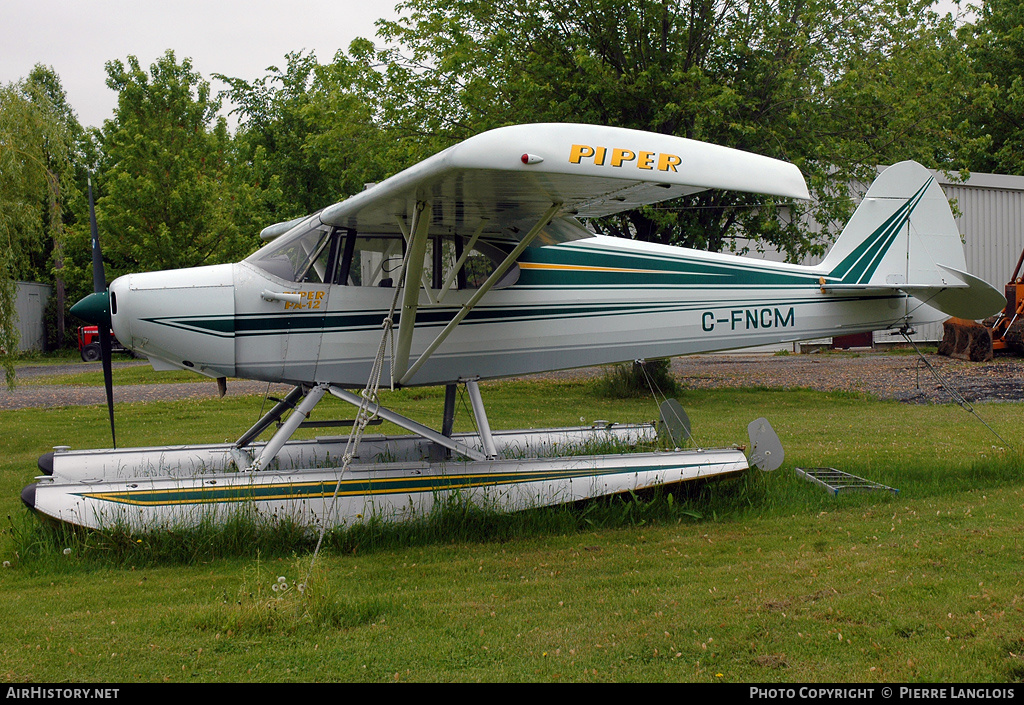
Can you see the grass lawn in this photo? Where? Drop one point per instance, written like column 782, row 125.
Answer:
column 764, row 578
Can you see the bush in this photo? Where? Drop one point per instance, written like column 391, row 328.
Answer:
column 639, row 378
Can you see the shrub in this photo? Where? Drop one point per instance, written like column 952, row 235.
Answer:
column 639, row 378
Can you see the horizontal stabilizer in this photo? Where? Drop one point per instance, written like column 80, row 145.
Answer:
column 973, row 300
column 961, row 295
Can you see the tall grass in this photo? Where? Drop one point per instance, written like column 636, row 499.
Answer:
column 268, row 602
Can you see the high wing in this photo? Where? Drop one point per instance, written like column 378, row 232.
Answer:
column 510, row 177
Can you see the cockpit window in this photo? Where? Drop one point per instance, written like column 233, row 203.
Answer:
column 371, row 260
column 321, row 254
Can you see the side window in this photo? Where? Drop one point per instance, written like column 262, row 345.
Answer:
column 321, row 254
column 376, row 260
column 478, row 267
column 445, row 254
column 371, row 260
column 448, row 266
column 481, row 262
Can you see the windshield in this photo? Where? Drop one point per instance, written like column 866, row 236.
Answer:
column 299, row 255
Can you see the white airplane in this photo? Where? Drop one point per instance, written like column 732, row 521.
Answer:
column 474, row 265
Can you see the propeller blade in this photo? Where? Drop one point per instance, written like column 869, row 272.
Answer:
column 99, row 279
column 97, row 305
column 108, row 379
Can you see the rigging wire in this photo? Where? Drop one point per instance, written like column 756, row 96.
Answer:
column 656, row 391
column 953, row 392
column 363, row 416
column 266, row 397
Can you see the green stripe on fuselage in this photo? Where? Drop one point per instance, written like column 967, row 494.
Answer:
column 575, row 265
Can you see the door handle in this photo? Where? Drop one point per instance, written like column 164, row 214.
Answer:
column 280, row 296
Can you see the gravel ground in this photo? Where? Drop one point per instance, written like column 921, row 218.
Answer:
column 43, row 396
column 905, row 378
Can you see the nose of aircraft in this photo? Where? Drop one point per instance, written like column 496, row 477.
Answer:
column 183, row 317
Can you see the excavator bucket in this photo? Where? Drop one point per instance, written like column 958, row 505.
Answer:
column 966, row 340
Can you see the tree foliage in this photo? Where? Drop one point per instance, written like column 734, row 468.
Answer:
column 994, row 100
column 165, row 199
column 35, row 177
column 799, row 80
column 306, row 137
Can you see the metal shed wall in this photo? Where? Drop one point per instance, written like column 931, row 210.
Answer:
column 30, row 307
column 991, row 222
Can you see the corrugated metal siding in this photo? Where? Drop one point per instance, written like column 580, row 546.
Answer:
column 992, row 225
column 991, row 221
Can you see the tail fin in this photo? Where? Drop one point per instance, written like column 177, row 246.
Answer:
column 903, row 236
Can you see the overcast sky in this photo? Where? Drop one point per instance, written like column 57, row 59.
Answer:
column 239, row 38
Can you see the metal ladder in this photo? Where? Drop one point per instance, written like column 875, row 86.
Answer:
column 836, row 481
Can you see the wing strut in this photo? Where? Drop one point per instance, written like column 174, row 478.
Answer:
column 411, row 276
column 496, row 276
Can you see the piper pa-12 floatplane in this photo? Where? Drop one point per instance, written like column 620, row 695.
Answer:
column 474, row 265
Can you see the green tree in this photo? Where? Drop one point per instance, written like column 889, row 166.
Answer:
column 306, row 137
column 165, row 200
column 82, row 147
column 275, row 168
column 35, row 176
column 995, row 100
column 798, row 80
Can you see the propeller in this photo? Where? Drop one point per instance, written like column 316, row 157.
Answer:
column 95, row 309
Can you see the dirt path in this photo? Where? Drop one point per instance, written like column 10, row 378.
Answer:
column 889, row 376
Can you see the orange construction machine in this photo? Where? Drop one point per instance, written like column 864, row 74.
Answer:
column 1004, row 332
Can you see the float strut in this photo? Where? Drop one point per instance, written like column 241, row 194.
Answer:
column 481, row 418
column 278, row 440
column 448, row 423
column 273, row 415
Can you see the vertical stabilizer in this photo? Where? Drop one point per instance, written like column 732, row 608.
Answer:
column 900, row 233
column 903, row 236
